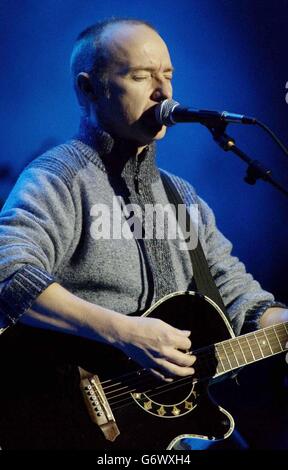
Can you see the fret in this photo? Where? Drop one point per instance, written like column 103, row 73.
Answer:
column 267, row 340
column 246, row 351
column 260, row 350
column 231, row 354
column 254, row 347
column 221, row 364
column 240, row 352
column 277, row 337
column 226, row 355
column 224, row 361
column 262, row 340
column 249, row 348
column 220, row 368
column 282, row 334
column 237, row 352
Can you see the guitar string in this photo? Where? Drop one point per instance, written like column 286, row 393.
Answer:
column 123, row 402
column 169, row 385
column 143, row 381
column 155, row 387
column 140, row 375
column 128, row 400
column 201, row 354
column 237, row 341
column 140, row 379
column 137, row 372
column 201, row 351
column 155, row 390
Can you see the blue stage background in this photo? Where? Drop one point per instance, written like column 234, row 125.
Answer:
column 228, row 55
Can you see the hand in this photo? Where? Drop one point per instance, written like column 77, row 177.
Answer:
column 155, row 345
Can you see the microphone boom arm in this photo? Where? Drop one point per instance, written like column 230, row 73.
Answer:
column 255, row 168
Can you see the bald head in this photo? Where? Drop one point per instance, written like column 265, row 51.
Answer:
column 120, row 41
column 94, row 47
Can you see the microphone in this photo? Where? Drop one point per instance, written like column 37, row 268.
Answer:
column 169, row 112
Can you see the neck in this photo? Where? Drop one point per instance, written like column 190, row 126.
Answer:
column 92, row 133
column 120, row 157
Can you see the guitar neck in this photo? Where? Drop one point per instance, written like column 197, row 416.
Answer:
column 237, row 352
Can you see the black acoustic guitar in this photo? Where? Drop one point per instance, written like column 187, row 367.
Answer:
column 119, row 405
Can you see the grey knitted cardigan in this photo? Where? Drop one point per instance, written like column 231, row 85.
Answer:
column 46, row 236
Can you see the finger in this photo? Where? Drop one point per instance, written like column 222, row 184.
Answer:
column 173, row 369
column 182, row 342
column 161, row 376
column 178, row 338
column 171, row 354
column 179, row 358
column 185, row 332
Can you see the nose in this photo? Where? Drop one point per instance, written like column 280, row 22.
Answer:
column 162, row 91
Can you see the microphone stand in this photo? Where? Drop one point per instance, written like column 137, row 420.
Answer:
column 255, row 168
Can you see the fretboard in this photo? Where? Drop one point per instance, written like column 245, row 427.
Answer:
column 237, row 352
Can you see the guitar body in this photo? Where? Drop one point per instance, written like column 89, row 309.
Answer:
column 41, row 404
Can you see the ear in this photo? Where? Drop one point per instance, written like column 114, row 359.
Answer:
column 85, row 86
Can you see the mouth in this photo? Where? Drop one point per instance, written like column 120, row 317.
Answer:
column 148, row 119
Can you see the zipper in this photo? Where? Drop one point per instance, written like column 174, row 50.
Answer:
column 136, row 176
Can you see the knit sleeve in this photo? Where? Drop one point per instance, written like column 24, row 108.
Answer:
column 36, row 230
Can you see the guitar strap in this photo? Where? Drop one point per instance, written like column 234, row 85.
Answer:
column 203, row 279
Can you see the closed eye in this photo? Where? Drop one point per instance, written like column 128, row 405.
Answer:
column 138, row 78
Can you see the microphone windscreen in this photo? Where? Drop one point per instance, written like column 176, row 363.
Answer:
column 164, row 110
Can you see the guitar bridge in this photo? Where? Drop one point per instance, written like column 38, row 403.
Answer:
column 97, row 404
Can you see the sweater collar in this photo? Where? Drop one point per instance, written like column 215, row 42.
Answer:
column 117, row 157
